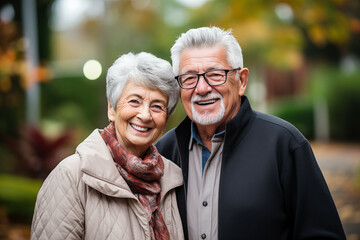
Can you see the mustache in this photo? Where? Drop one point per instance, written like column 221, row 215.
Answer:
column 206, row 97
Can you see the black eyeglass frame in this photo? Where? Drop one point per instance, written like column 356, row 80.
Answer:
column 203, row 74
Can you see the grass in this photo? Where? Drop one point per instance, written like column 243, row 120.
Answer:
column 18, row 197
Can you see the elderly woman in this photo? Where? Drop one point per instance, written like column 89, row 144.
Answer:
column 117, row 185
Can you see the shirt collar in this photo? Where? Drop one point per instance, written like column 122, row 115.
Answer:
column 195, row 136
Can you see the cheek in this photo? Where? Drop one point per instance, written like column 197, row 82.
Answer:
column 185, row 99
column 123, row 117
column 121, row 120
column 161, row 122
column 120, row 117
column 126, row 112
column 231, row 98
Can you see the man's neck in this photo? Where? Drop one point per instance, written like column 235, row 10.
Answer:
column 206, row 132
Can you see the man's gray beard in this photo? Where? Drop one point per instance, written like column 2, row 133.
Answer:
column 206, row 118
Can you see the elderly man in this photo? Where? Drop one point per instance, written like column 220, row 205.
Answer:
column 248, row 175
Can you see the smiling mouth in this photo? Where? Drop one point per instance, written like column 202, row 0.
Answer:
column 207, row 102
column 138, row 128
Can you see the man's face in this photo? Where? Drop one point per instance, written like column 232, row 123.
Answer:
column 205, row 104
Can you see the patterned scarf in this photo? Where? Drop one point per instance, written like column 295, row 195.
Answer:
column 143, row 177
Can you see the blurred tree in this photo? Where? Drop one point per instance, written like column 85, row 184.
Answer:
column 12, row 64
column 11, row 72
column 279, row 33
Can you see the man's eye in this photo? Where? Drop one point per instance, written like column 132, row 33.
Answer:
column 190, row 78
column 214, row 75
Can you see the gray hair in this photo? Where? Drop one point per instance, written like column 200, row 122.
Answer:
column 145, row 69
column 207, row 37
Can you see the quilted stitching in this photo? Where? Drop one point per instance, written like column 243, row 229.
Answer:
column 104, row 210
column 56, row 200
column 102, row 213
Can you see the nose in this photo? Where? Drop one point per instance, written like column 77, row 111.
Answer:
column 202, row 88
column 144, row 113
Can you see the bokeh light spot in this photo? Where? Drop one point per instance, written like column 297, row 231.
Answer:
column 92, row 69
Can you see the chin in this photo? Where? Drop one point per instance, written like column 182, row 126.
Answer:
column 207, row 120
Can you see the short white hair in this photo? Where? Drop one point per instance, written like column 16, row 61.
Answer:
column 145, row 69
column 207, row 37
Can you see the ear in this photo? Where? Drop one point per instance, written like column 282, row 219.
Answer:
column 244, row 77
column 111, row 112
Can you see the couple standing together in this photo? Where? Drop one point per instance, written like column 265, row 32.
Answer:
column 226, row 172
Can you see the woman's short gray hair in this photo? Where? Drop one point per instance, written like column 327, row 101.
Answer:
column 207, row 37
column 145, row 69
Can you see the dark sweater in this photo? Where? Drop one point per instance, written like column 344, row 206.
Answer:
column 271, row 186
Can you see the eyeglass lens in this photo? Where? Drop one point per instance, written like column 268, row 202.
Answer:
column 216, row 77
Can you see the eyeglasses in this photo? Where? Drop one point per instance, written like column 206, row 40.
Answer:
column 213, row 78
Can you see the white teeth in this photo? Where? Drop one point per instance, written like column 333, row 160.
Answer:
column 206, row 102
column 139, row 128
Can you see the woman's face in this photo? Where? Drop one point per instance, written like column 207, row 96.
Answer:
column 140, row 117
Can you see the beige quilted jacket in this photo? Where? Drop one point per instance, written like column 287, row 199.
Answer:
column 85, row 197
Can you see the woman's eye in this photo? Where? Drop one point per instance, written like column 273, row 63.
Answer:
column 158, row 107
column 134, row 101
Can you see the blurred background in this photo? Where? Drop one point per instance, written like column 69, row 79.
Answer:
column 303, row 57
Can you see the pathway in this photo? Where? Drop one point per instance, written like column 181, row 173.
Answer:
column 340, row 164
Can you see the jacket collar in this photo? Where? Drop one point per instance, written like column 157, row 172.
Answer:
column 172, row 177
column 237, row 126
column 100, row 172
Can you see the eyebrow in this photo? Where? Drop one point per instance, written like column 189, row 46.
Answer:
column 139, row 96
column 208, row 69
column 160, row 101
column 134, row 95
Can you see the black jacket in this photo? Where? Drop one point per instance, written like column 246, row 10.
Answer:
column 271, row 186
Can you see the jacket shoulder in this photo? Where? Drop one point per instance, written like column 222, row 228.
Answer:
column 69, row 168
column 72, row 163
column 281, row 125
column 170, row 136
column 166, row 142
column 58, row 203
column 167, row 146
